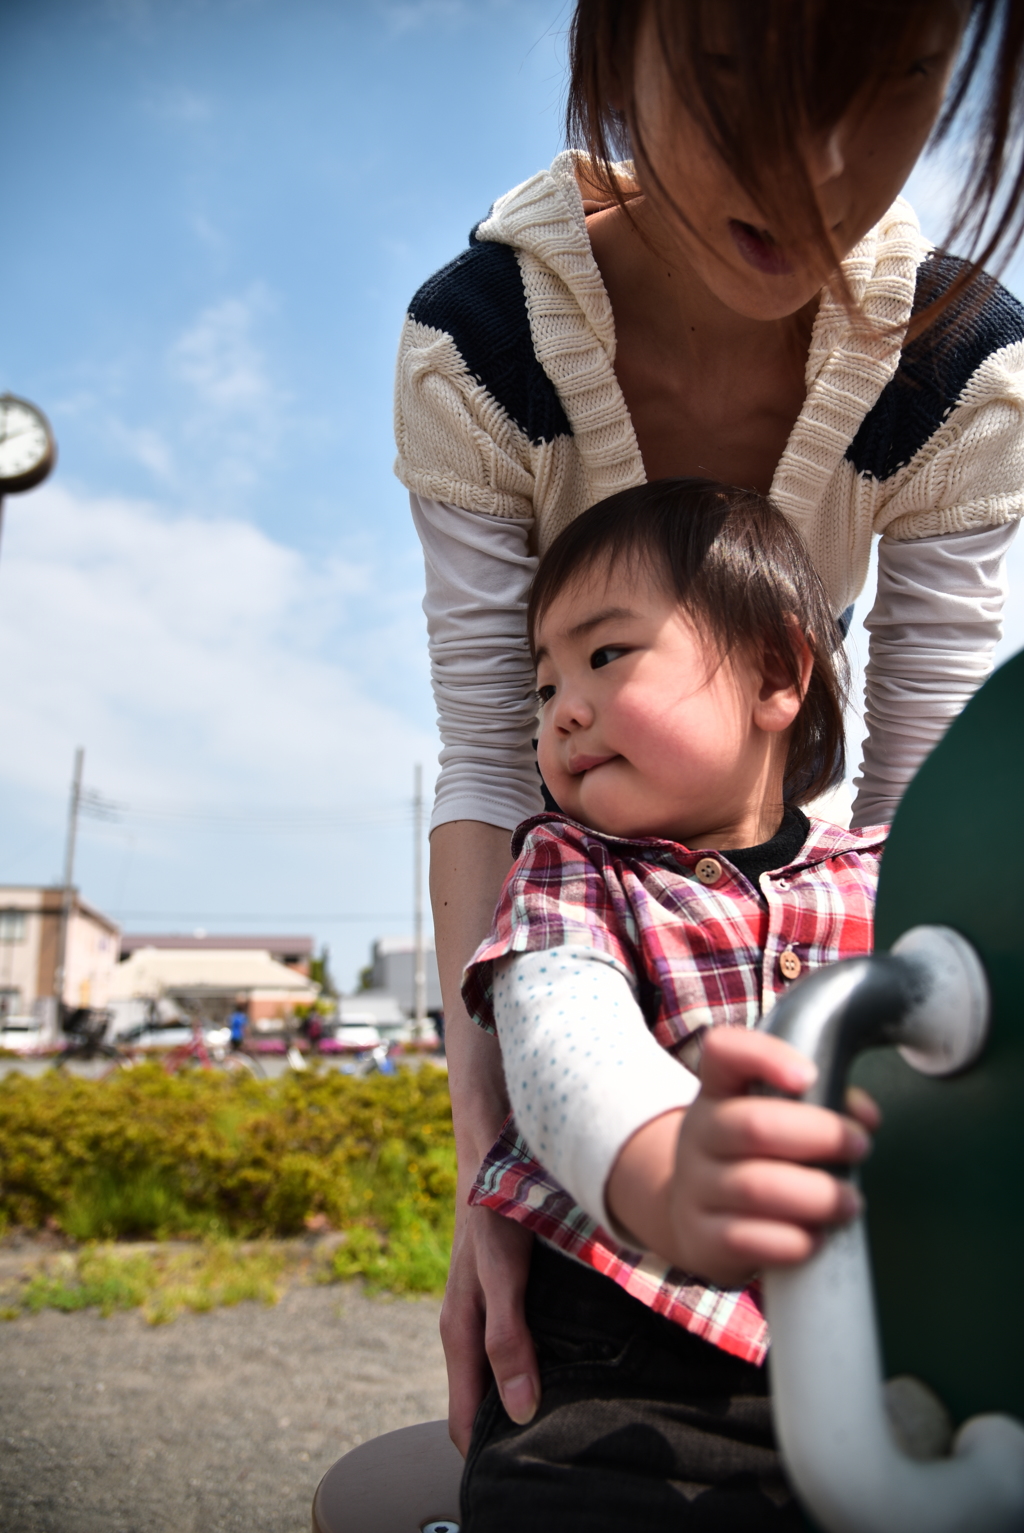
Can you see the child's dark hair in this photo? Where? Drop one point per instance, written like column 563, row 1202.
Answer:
column 744, row 577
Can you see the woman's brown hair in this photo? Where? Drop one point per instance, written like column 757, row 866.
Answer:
column 744, row 578
column 797, row 66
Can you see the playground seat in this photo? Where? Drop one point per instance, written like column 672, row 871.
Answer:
column 403, row 1482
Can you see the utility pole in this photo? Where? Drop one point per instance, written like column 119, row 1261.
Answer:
column 67, row 903
column 420, row 968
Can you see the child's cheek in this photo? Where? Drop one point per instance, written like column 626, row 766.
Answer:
column 638, row 722
column 557, row 779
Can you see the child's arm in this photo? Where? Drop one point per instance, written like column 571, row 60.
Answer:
column 730, row 1185
column 583, row 1070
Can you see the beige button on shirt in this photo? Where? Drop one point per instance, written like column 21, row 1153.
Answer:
column 790, row 964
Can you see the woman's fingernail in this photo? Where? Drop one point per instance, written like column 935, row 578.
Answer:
column 519, row 1399
column 860, row 1143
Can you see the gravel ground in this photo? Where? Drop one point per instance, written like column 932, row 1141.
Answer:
column 218, row 1421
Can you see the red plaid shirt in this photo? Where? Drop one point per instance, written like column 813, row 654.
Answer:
column 700, row 955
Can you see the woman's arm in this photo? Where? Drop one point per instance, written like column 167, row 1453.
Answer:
column 478, row 573
column 935, row 623
column 482, row 1317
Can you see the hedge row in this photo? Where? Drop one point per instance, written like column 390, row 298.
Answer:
column 148, row 1154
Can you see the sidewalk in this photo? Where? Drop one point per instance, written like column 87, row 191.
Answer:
column 223, row 1421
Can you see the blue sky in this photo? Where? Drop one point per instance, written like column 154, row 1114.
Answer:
column 216, row 211
column 223, row 209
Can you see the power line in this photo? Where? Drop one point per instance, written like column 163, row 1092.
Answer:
column 318, row 820
column 262, row 915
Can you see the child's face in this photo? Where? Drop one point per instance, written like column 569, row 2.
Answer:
column 642, row 732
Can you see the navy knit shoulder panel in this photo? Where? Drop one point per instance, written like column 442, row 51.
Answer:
column 478, row 299
column 934, row 369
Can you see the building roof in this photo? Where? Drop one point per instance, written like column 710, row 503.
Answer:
column 295, row 947
column 150, row 973
column 387, row 947
column 49, row 898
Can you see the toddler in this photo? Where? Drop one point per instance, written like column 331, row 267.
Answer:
column 691, row 681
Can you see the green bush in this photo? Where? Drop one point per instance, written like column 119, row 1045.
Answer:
column 144, row 1153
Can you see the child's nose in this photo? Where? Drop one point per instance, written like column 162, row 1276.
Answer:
column 573, row 711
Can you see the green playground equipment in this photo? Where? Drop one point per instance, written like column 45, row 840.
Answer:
column 938, row 1012
column 921, row 1291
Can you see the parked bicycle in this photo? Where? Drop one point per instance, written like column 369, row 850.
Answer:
column 212, row 1050
column 89, row 1053
column 376, row 1061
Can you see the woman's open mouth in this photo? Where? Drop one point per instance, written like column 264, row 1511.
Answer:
column 759, row 250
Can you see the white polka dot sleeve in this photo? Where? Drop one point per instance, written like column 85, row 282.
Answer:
column 583, row 1069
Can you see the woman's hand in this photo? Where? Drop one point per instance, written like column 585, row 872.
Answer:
column 733, row 1184
column 482, row 1321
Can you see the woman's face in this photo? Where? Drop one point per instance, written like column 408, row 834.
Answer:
column 857, row 168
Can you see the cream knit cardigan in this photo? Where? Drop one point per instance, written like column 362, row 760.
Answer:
column 458, row 444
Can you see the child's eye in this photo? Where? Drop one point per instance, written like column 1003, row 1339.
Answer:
column 606, row 654
column 544, row 694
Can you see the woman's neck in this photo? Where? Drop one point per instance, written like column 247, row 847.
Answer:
column 710, row 391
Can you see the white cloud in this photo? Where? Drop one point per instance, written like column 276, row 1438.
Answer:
column 416, row 14
column 145, row 445
column 193, row 657
column 220, row 359
column 235, row 413
column 179, row 104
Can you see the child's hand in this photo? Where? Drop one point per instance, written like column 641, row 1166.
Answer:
column 746, row 1193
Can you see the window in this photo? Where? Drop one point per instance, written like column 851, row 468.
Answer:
column 12, row 926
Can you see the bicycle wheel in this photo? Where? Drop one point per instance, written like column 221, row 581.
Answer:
column 94, row 1065
column 243, row 1064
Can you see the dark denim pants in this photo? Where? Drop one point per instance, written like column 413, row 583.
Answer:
column 641, row 1427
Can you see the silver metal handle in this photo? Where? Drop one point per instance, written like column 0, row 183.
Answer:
column 929, row 997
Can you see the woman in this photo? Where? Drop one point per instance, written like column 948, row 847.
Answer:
column 747, row 300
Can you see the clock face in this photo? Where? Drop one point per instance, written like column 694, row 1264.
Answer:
column 26, row 444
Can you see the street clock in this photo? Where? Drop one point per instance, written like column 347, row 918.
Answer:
column 27, row 448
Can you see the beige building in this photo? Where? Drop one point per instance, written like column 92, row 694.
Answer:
column 213, row 981
column 269, row 976
column 30, row 924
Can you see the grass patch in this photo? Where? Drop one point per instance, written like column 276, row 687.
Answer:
column 162, row 1283
column 219, row 1160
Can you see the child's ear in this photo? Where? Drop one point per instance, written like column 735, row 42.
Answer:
column 779, row 700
